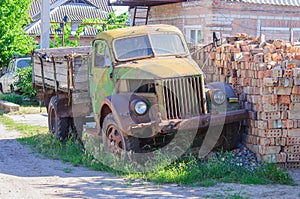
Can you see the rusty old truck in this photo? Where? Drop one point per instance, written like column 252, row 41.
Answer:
column 139, row 84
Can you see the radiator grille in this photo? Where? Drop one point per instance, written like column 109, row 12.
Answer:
column 182, row 97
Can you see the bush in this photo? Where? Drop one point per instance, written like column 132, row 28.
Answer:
column 12, row 97
column 24, row 83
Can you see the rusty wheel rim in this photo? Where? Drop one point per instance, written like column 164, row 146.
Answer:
column 115, row 140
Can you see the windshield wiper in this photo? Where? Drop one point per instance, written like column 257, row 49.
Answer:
column 181, row 56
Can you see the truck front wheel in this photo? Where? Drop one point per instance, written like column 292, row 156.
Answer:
column 230, row 137
column 58, row 126
column 113, row 139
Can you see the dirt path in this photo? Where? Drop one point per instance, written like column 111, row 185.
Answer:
column 24, row 174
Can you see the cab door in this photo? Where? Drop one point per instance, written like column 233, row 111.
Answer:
column 100, row 83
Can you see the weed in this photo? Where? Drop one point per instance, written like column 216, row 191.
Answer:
column 14, row 98
column 18, row 99
column 67, row 170
column 187, row 170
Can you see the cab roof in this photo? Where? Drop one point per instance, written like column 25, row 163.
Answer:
column 137, row 30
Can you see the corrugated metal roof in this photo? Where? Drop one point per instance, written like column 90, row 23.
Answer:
column 271, row 2
column 74, row 12
column 36, row 5
column 142, row 2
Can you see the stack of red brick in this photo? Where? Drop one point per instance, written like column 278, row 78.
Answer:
column 267, row 78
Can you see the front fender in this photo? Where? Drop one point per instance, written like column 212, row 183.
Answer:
column 117, row 104
column 232, row 99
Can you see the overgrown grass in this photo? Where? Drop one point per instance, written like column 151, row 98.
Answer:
column 187, row 170
column 18, row 99
column 29, row 110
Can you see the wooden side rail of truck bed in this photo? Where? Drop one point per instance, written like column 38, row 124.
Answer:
column 62, row 71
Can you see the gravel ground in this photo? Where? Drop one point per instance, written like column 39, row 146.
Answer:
column 25, row 174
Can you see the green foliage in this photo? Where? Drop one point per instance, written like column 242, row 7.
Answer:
column 24, row 82
column 14, row 17
column 64, row 38
column 12, row 97
column 111, row 22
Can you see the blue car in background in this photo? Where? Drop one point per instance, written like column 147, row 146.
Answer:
column 8, row 80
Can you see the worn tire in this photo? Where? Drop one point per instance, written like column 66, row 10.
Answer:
column 58, row 126
column 230, row 137
column 123, row 144
column 1, row 89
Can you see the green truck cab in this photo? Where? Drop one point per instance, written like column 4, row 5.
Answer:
column 142, row 86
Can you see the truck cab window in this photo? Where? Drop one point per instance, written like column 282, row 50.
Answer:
column 101, row 54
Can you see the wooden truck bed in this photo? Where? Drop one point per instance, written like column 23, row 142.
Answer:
column 63, row 69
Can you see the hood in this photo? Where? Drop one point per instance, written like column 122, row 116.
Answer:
column 157, row 68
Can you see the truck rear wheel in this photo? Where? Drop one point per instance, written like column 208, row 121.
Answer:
column 58, row 126
column 113, row 139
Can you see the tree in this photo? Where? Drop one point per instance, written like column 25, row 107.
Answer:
column 14, row 17
column 111, row 22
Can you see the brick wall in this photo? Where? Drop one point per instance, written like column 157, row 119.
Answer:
column 230, row 18
column 266, row 77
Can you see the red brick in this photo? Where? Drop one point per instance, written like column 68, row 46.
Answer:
column 283, row 90
column 260, row 74
column 269, row 149
column 284, row 132
column 296, row 72
column 285, row 82
column 270, row 99
column 268, row 81
column 279, row 141
column 276, row 57
column 261, row 124
column 297, row 81
column 277, row 73
column 289, row 124
column 284, row 115
column 293, row 132
column 269, row 107
column 283, row 107
column 295, row 106
column 268, row 73
column 284, row 99
column 296, row 90
column 293, row 115
column 269, row 116
column 288, row 73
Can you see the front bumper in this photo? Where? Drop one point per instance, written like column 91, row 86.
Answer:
column 198, row 123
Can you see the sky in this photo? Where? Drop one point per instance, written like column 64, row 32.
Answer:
column 120, row 9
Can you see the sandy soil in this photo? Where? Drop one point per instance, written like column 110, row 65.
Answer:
column 26, row 174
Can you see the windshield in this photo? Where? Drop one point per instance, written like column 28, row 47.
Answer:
column 133, row 47
column 23, row 63
column 140, row 47
column 164, row 44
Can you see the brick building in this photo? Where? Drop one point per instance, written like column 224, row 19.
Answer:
column 199, row 18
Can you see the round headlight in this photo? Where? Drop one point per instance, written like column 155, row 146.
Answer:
column 219, row 97
column 140, row 107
